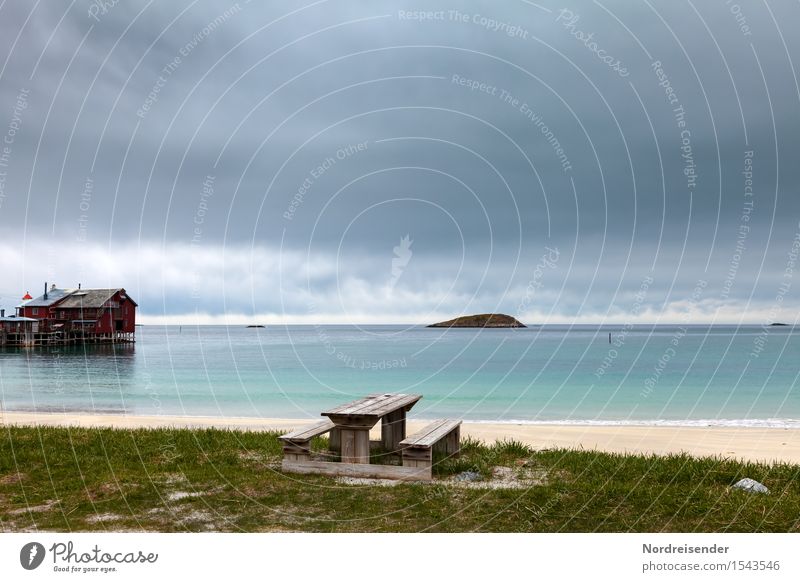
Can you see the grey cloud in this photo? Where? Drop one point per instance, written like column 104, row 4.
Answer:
column 390, row 78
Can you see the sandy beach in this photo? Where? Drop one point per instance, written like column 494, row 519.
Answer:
column 755, row 444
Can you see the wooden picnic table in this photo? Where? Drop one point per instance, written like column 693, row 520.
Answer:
column 353, row 421
column 349, row 426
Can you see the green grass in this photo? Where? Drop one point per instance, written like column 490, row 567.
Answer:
column 60, row 479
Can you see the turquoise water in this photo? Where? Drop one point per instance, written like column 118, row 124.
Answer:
column 648, row 374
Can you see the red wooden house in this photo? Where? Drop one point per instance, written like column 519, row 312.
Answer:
column 83, row 314
column 41, row 308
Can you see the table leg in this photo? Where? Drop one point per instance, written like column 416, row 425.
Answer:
column 355, row 445
column 393, row 430
column 335, row 440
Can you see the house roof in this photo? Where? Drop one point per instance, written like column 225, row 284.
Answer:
column 88, row 298
column 13, row 318
column 72, row 298
column 53, row 296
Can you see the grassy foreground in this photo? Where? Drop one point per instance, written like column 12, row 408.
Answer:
column 168, row 480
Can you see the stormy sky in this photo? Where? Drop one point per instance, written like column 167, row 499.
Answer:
column 404, row 162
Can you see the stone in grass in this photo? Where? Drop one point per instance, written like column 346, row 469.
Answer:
column 467, row 476
column 750, row 485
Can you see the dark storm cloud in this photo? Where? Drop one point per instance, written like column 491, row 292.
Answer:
column 487, row 134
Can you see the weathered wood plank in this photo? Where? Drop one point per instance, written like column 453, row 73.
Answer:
column 392, row 403
column 357, row 421
column 355, row 405
column 335, row 440
column 296, row 448
column 418, row 458
column 310, row 432
column 393, row 429
column 358, row 470
column 418, row 464
column 443, row 430
column 419, row 454
column 431, row 434
column 426, row 430
column 348, row 445
column 361, row 447
column 374, row 405
column 359, row 405
column 451, row 444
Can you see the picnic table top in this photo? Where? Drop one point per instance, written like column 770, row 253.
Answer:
column 374, row 405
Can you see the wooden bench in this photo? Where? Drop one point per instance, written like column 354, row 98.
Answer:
column 439, row 436
column 296, row 444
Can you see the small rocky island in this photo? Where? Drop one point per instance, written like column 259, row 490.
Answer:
column 483, row 320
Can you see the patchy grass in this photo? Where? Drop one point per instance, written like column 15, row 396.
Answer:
column 77, row 479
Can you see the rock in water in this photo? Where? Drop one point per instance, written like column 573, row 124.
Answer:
column 750, row 485
column 483, row 320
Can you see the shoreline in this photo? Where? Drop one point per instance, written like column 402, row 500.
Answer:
column 762, row 444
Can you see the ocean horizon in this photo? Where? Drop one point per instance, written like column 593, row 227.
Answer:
column 659, row 375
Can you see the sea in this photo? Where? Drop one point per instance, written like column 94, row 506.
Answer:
column 563, row 374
